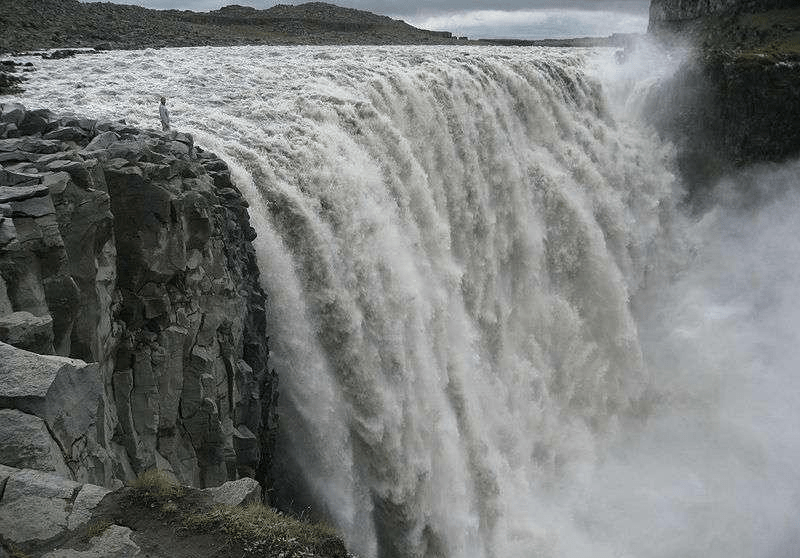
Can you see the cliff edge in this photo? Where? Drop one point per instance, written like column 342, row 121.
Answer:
column 681, row 16
column 736, row 99
column 132, row 322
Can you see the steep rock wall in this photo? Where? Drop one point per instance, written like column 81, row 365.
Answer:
column 736, row 99
column 676, row 15
column 724, row 110
column 126, row 254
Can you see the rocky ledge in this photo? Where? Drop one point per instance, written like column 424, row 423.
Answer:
column 132, row 323
column 44, row 515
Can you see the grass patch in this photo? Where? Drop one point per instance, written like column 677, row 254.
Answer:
column 773, row 34
column 255, row 530
column 788, row 18
column 265, row 531
column 155, row 488
column 14, row 551
column 95, row 529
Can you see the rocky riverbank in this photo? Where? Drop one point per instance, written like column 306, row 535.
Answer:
column 132, row 321
column 736, row 100
column 47, row 24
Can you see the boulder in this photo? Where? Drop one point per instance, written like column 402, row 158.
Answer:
column 31, row 145
column 17, row 180
column 35, row 206
column 26, row 331
column 236, row 493
column 35, row 506
column 68, row 395
column 68, row 133
column 9, row 130
column 102, row 141
column 114, row 542
column 87, row 500
column 37, row 122
column 26, row 442
column 12, row 113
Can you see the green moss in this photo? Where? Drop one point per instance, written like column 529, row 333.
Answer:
column 262, row 530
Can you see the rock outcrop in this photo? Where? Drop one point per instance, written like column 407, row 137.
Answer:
column 37, row 506
column 47, row 516
column 736, row 99
column 12, row 76
column 132, row 323
column 673, row 16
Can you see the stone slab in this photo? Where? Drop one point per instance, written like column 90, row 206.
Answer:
column 114, row 542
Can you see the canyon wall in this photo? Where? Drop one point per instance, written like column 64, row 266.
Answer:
column 736, row 98
column 132, row 321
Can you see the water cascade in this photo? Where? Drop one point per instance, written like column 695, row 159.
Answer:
column 498, row 334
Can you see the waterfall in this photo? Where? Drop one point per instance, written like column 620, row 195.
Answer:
column 497, row 334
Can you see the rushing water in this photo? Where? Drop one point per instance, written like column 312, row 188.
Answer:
column 497, row 333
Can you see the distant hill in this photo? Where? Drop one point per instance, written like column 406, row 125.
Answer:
column 44, row 24
column 616, row 40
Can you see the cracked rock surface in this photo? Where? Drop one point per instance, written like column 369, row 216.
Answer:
column 132, row 323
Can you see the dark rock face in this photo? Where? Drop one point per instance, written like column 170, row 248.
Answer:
column 11, row 80
column 131, row 250
column 724, row 110
column 736, row 100
column 675, row 15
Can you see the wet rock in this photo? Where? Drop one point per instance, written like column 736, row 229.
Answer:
column 62, row 53
column 735, row 100
column 10, row 84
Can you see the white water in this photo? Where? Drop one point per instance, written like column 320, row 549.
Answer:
column 496, row 332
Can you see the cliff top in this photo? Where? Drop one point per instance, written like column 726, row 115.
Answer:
column 767, row 30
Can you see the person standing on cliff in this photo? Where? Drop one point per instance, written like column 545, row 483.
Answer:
column 162, row 110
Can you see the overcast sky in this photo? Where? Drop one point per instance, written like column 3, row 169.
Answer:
column 523, row 19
